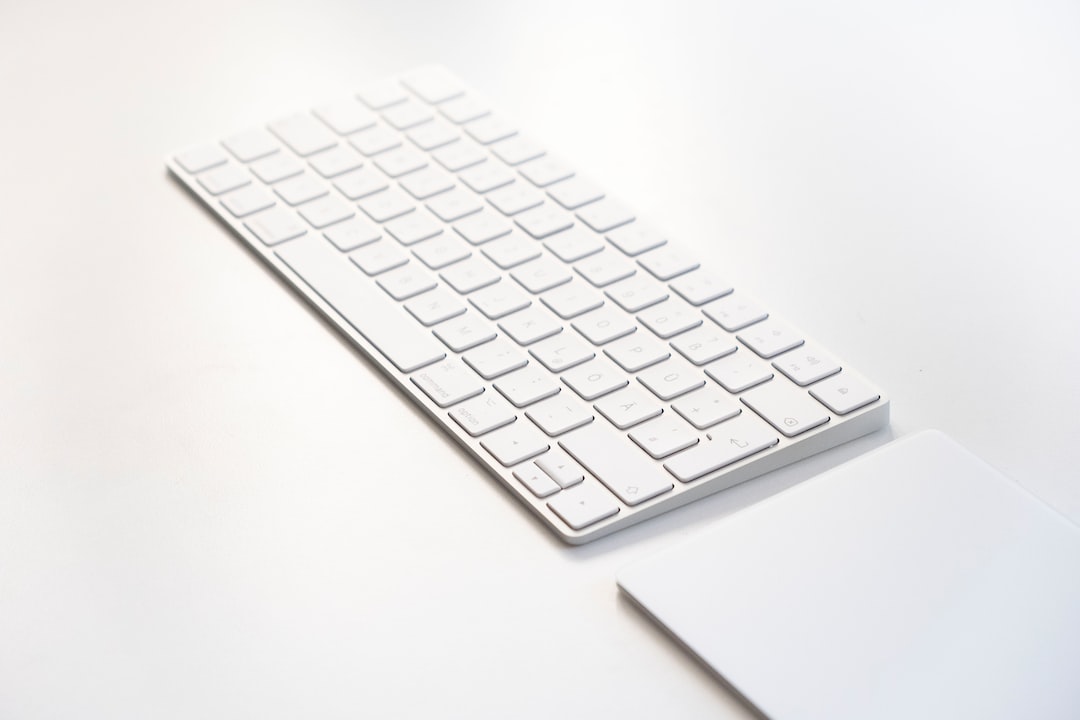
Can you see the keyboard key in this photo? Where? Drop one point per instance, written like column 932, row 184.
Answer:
column 670, row 318
column 806, row 365
column 786, row 408
column 496, row 358
column 471, row 274
column 405, row 282
column 223, row 179
column 574, row 244
column 387, row 205
column 561, row 351
column 433, row 135
column 435, row 307
column 561, row 468
column 400, row 161
column 251, row 145
column 614, row 461
column 604, row 325
column 636, row 293
column 346, row 117
column 482, row 227
column 326, row 211
column 379, row 257
column 594, row 379
column 544, row 171
column 705, row 344
column 667, row 262
column 276, row 167
column 770, row 338
column 413, row 227
column 448, row 382
column 543, row 220
column 486, row 177
column 574, row 192
column 300, row 189
column 484, row 413
column 559, row 415
column 664, row 436
column 530, row 325
column 464, row 332
column 671, row 378
column 275, row 225
column 335, row 161
column 843, row 393
column 541, row 274
column 537, row 481
column 628, row 407
column 584, row 505
column 734, row 312
column 730, row 442
column 304, row 134
column 738, row 372
column 375, row 140
column 636, row 238
column 572, row 299
column 462, row 109
column 515, row 198
column 361, row 183
column 453, row 205
column 460, row 155
column 604, row 268
column 433, row 84
column 438, row 252
column 605, row 215
column 698, row 287
column 499, row 300
column 405, row 115
column 636, row 351
column 352, row 234
column 247, row 200
column 516, row 150
column 526, row 386
column 489, row 129
column 204, row 157
column 706, row 407
column 368, row 310
column 511, row 250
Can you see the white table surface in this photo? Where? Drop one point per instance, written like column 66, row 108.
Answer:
column 212, row 507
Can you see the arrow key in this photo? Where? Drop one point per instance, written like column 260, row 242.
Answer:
column 560, row 468
column 584, row 505
column 515, row 443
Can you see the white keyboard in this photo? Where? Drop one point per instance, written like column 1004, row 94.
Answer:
column 587, row 362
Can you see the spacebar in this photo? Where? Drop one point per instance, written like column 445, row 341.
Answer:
column 374, row 315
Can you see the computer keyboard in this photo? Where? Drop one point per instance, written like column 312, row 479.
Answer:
column 581, row 357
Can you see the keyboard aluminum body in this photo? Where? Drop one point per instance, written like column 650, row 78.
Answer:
column 581, row 357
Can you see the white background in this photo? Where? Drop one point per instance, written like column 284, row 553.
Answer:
column 211, row 506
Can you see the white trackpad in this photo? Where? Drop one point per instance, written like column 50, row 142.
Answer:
column 915, row 581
